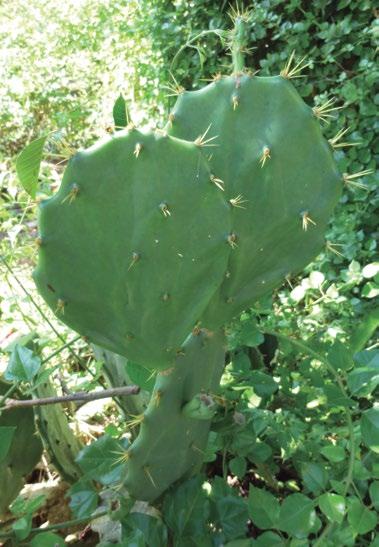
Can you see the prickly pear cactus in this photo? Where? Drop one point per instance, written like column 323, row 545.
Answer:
column 152, row 234
column 276, row 170
column 134, row 244
column 60, row 442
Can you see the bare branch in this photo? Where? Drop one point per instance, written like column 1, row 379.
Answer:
column 79, row 396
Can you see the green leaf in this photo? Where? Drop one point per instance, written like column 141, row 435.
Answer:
column 370, row 290
column 47, row 539
column 314, row 477
column 297, row 516
column 339, row 356
column 28, row 165
column 268, row 539
column 250, row 335
column 360, row 518
column 374, row 494
column 238, row 466
column 363, row 379
column 370, row 270
column 153, row 530
column 21, row 505
column 22, row 527
column 140, row 375
column 263, row 384
column 370, row 429
column 83, row 499
column 259, row 452
column 120, row 113
column 135, row 539
column 23, row 365
column 333, row 506
column 241, row 363
column 101, row 460
column 336, row 397
column 6, row 437
column 333, row 453
column 367, row 325
column 232, row 516
column 186, row 508
column 263, row 508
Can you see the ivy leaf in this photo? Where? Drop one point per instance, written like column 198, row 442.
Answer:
column 83, row 499
column 238, row 466
column 263, row 508
column 333, row 506
column 314, row 477
column 333, row 453
column 28, row 165
column 370, row 429
column 154, row 532
column 250, row 335
column 360, row 518
column 135, row 539
column 23, row 365
column 339, row 357
column 336, row 397
column 231, row 516
column 263, row 384
column 362, row 380
column 186, row 509
column 297, row 516
column 101, row 460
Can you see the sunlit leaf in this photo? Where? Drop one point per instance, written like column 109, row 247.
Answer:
column 28, row 165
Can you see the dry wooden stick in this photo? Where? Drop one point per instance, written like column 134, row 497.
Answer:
column 79, row 396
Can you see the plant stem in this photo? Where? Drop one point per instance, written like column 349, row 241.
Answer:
column 8, row 393
column 60, row 526
column 79, row 396
column 189, row 42
column 59, row 350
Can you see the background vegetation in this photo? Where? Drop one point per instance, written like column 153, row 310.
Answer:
column 293, row 457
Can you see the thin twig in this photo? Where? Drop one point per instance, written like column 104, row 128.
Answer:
column 61, row 525
column 79, row 396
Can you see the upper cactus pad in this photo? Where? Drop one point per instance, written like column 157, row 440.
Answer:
column 278, row 172
column 134, row 244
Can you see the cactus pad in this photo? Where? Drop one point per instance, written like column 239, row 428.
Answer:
column 278, row 171
column 134, row 244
